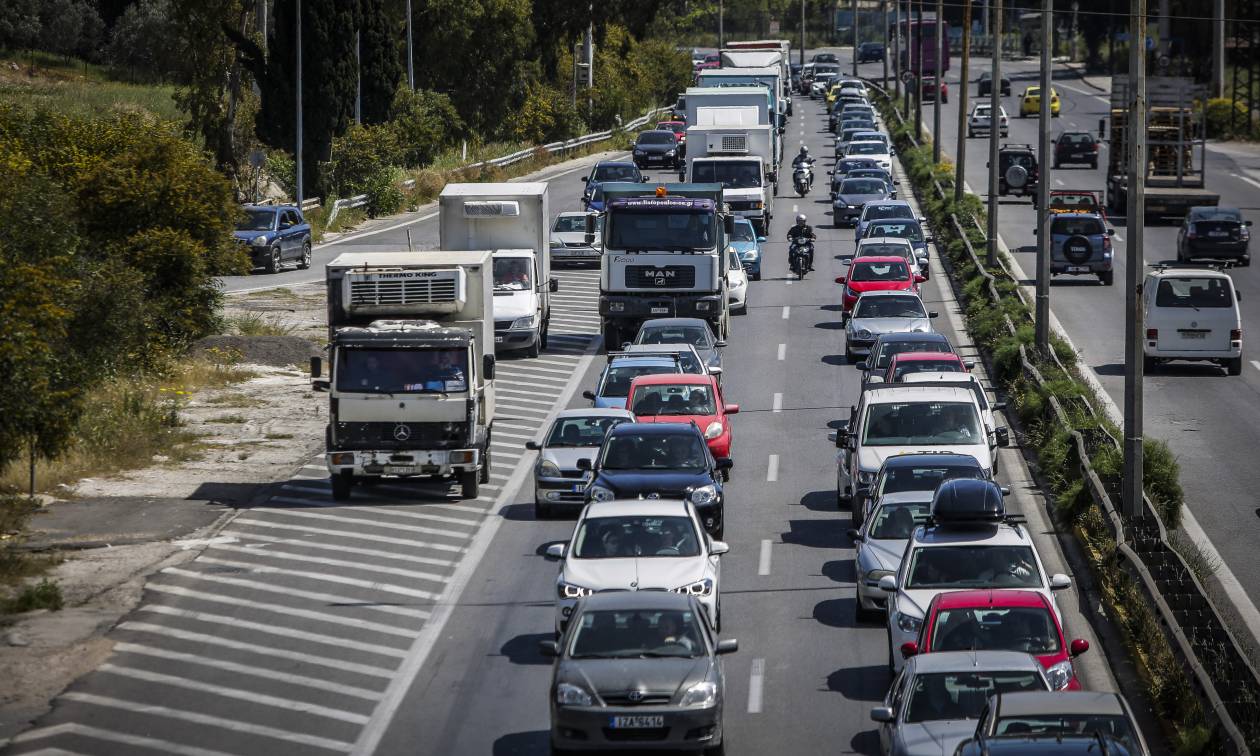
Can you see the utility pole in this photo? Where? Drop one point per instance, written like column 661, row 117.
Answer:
column 909, row 67
column 721, row 37
column 590, row 62
column 298, row 145
column 802, row 36
column 917, row 52
column 411, row 61
column 1218, row 48
column 940, row 79
column 995, row 130
column 896, row 50
column 883, row 6
column 1135, row 220
column 358, row 78
column 855, row 37
column 960, row 154
column 1042, row 319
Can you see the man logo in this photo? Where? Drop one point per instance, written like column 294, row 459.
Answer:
column 660, row 275
column 402, row 432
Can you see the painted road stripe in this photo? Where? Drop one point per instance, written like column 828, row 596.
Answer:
column 763, row 564
column 96, row 733
column 782, row 351
column 240, row 695
column 755, row 682
column 787, row 312
column 776, row 404
column 772, row 469
column 254, row 648
column 321, row 577
column 1255, row 364
column 366, row 567
column 135, row 707
column 323, row 598
column 1249, row 180
column 357, row 521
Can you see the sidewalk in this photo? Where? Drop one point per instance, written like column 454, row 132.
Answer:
column 1100, row 83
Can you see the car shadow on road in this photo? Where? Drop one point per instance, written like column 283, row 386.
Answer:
column 820, row 501
column 837, row 612
column 865, row 742
column 523, row 649
column 819, row 534
column 840, row 570
column 523, row 744
column 860, row 683
column 830, row 325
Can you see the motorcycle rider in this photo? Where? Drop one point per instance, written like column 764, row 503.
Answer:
column 803, row 231
column 803, row 159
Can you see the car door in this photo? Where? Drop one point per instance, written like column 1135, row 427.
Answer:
column 290, row 242
column 895, row 700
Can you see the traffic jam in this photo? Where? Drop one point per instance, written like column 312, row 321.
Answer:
column 976, row 643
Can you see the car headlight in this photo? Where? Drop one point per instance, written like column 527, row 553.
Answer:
column 701, row 695
column 873, row 577
column 865, row 477
column 699, row 588
column 714, row 430
column 638, row 152
column 704, row 495
column 670, row 153
column 555, row 244
column 523, row 324
column 909, row 625
column 259, row 241
column 548, row 469
column 570, row 591
column 862, row 333
column 1060, row 675
column 599, row 493
column 568, row 694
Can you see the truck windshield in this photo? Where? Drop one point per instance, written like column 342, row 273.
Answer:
column 401, row 371
column 257, row 220
column 730, row 174
column 511, row 273
column 660, row 230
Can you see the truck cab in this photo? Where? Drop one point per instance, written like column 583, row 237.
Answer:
column 739, row 159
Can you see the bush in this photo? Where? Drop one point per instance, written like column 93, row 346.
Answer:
column 546, row 116
column 424, row 124
column 384, row 197
column 359, row 157
column 1227, row 119
column 43, row 595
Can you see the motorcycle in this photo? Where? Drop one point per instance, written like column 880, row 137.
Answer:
column 800, row 252
column 803, row 179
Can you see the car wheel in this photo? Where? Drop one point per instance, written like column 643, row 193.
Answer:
column 970, row 134
column 1107, row 278
column 341, row 485
column 484, row 477
column 305, row 261
column 534, row 348
column 892, row 669
column 1234, row 366
column 546, row 329
column 1094, row 164
column 1245, row 262
column 273, row 260
column 1149, row 364
column 849, row 356
column 857, row 511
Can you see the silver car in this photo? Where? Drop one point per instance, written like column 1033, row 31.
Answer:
column 575, row 434
column 568, row 240
column 881, row 543
column 880, row 312
column 934, row 702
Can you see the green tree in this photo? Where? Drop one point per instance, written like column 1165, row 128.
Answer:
column 425, row 123
column 19, row 23
column 140, row 41
column 381, row 66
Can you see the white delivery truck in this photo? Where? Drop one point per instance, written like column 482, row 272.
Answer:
column 735, row 96
column 765, row 77
column 743, row 58
column 410, row 368
column 740, row 158
column 512, row 220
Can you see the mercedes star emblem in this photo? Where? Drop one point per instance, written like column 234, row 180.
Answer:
column 402, row 432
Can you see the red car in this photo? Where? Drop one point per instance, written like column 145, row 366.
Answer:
column 924, row 362
column 1000, row 620
column 877, row 273
column 675, row 398
column 930, row 89
column 680, row 132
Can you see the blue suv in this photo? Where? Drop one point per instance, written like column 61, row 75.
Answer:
column 274, row 235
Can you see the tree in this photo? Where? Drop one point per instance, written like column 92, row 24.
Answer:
column 425, row 122
column 141, row 40
column 19, row 23
column 380, row 67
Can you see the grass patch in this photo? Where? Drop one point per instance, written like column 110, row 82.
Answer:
column 278, row 436
column 237, row 400
column 43, row 595
column 80, row 89
column 258, row 324
column 230, row 419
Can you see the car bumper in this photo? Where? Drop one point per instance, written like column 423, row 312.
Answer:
column 639, row 308
column 1076, row 157
column 507, row 340
column 418, row 463
column 871, row 597
column 643, row 161
column 1231, row 248
column 1233, row 352
column 1085, row 268
column 560, row 492
column 588, row 728
column 574, row 254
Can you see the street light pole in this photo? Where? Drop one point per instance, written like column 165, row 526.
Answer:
column 802, row 36
column 411, row 62
column 721, row 37
column 917, row 52
column 896, row 49
column 855, row 37
column 995, row 130
column 960, row 154
column 1135, row 220
column 939, row 66
column 297, row 151
column 883, row 6
column 358, row 78
column 1042, row 319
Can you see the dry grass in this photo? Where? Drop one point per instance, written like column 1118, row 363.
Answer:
column 258, row 324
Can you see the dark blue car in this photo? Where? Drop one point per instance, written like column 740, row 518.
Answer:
column 275, row 235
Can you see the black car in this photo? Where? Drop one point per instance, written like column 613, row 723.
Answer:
column 657, row 147
column 661, row 460
column 610, row 170
column 986, row 85
column 641, row 669
column 1076, row 147
column 889, row 344
column 1214, row 232
column 1017, row 170
column 824, row 58
column 870, row 52
column 845, row 165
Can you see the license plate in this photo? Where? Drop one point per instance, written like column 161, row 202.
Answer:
column 659, row 310
column 398, row 470
column 636, row 722
column 579, row 487
column 498, row 339
column 1193, row 335
column 1218, row 234
column 1078, row 269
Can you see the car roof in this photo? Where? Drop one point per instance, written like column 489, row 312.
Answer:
column 977, row 661
column 1002, row 534
column 925, row 356
column 657, row 379
column 627, row 600
column 632, row 507
column 932, row 458
column 882, row 393
column 996, row 599
column 1094, row 216
column 594, row 412
column 1064, row 702
column 1179, row 272
column 891, row 293
column 654, row 429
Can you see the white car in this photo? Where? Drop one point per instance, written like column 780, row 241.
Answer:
column 892, row 246
column 1192, row 314
column 575, row 434
column 736, row 283
column 998, row 434
column 568, row 239
column 970, row 543
column 638, row 545
column 878, row 151
column 980, row 121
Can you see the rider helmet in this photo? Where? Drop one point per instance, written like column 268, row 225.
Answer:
column 800, row 219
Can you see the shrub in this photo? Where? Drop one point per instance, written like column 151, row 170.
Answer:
column 546, row 116
column 1227, row 118
column 424, row 124
column 358, row 157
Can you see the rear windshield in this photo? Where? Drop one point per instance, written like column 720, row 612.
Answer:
column 901, row 230
column 879, row 271
column 926, row 366
column 902, row 479
column 1073, row 226
column 1216, row 214
column 875, row 212
column 867, row 148
column 657, row 137
column 863, row 186
column 893, row 348
column 897, row 521
column 617, row 384
column 581, row 431
column 1194, row 293
column 1076, row 139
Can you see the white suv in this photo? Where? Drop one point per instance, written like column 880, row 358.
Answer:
column 969, row 543
column 1192, row 314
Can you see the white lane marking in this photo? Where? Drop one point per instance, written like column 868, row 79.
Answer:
column 516, row 399
column 360, row 565
column 357, row 521
column 1248, row 179
column 772, row 469
column 763, row 564
column 196, row 543
column 500, row 424
column 287, row 611
column 521, row 436
column 254, row 648
column 96, row 733
column 755, row 682
column 136, row 707
column 787, row 282
column 1255, row 364
column 255, row 568
column 794, row 208
column 782, row 351
column 259, row 699
column 1059, row 182
column 266, row 587
column 1119, row 238
column 787, row 312
column 776, row 405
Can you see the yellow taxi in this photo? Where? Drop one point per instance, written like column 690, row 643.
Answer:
column 1030, row 103
column 832, row 93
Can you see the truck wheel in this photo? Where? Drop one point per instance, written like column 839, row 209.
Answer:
column 546, row 328
column 611, row 336
column 1149, row 364
column 1234, row 366
column 273, row 260
column 341, row 485
column 1107, row 278
column 534, row 347
column 305, row 262
column 469, row 485
column 485, row 463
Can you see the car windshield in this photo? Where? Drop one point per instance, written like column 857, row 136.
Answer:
column 568, row 432
column 973, row 567
column 743, row 232
column 867, row 270
column 893, row 348
column 697, row 336
column 1194, row 293
column 1057, row 725
column 673, row 399
column 617, row 380
column 657, row 451
column 867, row 148
column 906, row 478
column 657, row 137
column 862, row 186
column 730, row 174
column 1029, row 629
column 900, row 230
column 889, row 307
column 962, row 695
column 613, row 172
column 566, row 223
column 926, row 366
column 895, row 522
column 635, row 536
column 685, row 230
column 401, row 371
column 933, row 423
column 511, row 273
column 1068, row 225
column 257, row 220
column 634, row 634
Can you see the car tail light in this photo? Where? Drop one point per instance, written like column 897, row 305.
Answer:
column 1235, row 334
column 1190, row 232
column 1095, row 145
column 1106, row 242
column 1152, row 333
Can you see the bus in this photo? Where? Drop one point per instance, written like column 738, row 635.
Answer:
column 924, row 34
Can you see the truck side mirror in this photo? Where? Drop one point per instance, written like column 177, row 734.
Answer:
column 317, row 367
column 728, row 225
column 644, row 179
column 487, row 366
column 553, row 285
column 590, row 228
column 584, row 463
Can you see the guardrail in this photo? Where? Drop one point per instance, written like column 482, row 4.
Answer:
column 1224, row 680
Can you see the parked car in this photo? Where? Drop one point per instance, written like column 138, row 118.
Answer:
column 575, row 434
column 879, row 312
column 1219, row 233
column 747, row 244
column 1048, row 717
column 685, row 399
column 1191, row 314
column 657, row 147
column 274, row 235
column 1076, row 147
column 568, row 240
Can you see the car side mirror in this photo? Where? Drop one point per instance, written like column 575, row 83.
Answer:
column 584, row 463
column 1250, row 222
column 908, row 649
column 1237, row 295
column 719, row 343
column 883, row 714
column 549, row 648
column 1003, row 436
column 715, row 371
column 969, row 365
column 487, row 367
column 533, row 445
column 724, row 463
column 999, row 406
column 556, row 550
column 761, row 239
column 726, row 646
column 831, row 173
column 717, row 548
column 732, row 409
column 863, row 366
column 897, row 182
column 888, row 584
column 728, row 225
column 584, row 179
column 553, row 285
column 1006, row 491
column 644, row 179
column 1111, row 232
column 933, row 314
column 1059, row 582
column 1079, row 646
column 854, row 535
column 588, row 395
column 841, row 279
column 919, row 278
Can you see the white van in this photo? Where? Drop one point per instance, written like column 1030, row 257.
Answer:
column 1192, row 314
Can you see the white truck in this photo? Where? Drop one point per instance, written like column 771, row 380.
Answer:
column 410, row 368
column 742, row 58
column 764, row 77
column 721, row 101
column 511, row 219
column 741, row 159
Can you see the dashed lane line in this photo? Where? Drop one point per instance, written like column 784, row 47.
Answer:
column 756, row 680
column 782, row 352
column 763, row 564
column 772, row 469
column 776, row 404
column 787, row 312
column 1255, row 364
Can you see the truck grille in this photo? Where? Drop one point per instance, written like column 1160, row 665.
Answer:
column 745, row 205
column 401, row 292
column 665, row 277
column 397, row 435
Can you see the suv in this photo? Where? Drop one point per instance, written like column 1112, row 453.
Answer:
column 870, row 52
column 1017, row 170
column 274, row 235
column 1080, row 243
column 1191, row 314
column 1076, row 147
column 657, row 147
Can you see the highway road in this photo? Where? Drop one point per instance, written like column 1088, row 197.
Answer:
column 406, row 621
column 1206, row 416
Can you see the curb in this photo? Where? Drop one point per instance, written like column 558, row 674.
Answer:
column 1079, row 70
